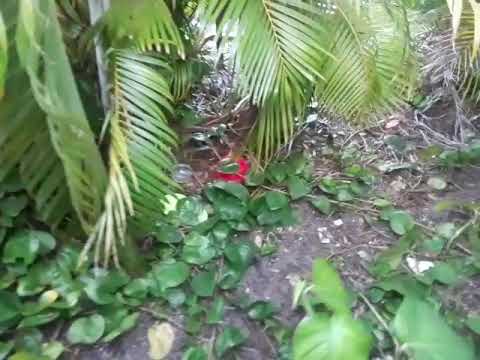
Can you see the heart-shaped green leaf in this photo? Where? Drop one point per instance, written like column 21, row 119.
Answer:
column 339, row 337
column 298, row 187
column 170, row 275
column 401, row 222
column 276, row 200
column 86, row 330
column 203, row 284
column 198, row 249
column 329, row 287
column 322, row 203
column 426, row 335
column 191, row 211
column 230, row 338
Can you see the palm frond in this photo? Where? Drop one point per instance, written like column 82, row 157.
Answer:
column 454, row 63
column 275, row 122
column 277, row 40
column 147, row 23
column 373, row 70
column 3, row 55
column 141, row 157
column 42, row 54
column 25, row 141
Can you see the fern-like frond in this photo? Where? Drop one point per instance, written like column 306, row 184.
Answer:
column 275, row 122
column 277, row 40
column 140, row 157
column 25, row 142
column 42, row 54
column 3, row 55
column 373, row 69
column 148, row 24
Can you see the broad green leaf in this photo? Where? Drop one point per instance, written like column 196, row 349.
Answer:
column 296, row 163
column 39, row 319
column 277, row 172
column 473, row 323
column 195, row 353
column 298, row 187
column 53, row 349
column 230, row 338
column 137, row 288
column 216, row 313
column 328, row 287
column 382, row 203
column 426, row 336
column 323, row 204
column 444, row 273
column 12, row 205
column 24, row 355
column 191, row 211
column 203, row 284
column 9, row 306
column 339, row 337
column 404, row 285
column 169, row 275
column 391, row 258
column 160, row 338
column 168, row 234
column 255, row 178
column 262, row 310
column 5, row 349
column 229, row 200
column 221, row 231
column 344, row 195
column 198, row 249
column 236, row 190
column 29, row 340
column 240, row 255
column 21, row 246
column 231, row 277
column 86, row 330
column 401, row 222
column 276, row 200
column 446, row 230
column 228, row 167
column 175, row 297
column 102, row 288
column 123, row 326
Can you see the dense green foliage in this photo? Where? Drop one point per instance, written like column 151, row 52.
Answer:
column 65, row 175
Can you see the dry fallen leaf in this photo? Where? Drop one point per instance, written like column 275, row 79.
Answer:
column 160, row 338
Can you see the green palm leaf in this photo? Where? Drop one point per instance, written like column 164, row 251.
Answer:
column 42, row 54
column 141, row 157
column 25, row 140
column 275, row 124
column 278, row 40
column 3, row 55
column 373, row 70
column 146, row 23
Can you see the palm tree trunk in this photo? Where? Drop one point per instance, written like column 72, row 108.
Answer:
column 97, row 9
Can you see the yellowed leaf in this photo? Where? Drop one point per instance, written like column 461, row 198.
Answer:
column 160, row 338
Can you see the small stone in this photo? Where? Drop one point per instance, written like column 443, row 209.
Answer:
column 419, row 266
column 338, row 222
column 364, row 255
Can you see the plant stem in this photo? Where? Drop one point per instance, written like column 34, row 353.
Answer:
column 383, row 323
